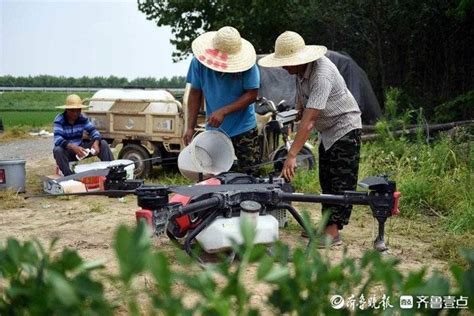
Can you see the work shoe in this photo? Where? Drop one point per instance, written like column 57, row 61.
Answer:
column 304, row 234
column 328, row 241
column 325, row 240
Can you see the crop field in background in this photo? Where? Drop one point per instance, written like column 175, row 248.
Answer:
column 24, row 118
column 35, row 109
column 35, row 100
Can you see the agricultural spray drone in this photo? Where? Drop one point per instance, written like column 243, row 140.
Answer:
column 209, row 211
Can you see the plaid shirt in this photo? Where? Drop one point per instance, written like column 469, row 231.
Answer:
column 322, row 87
column 65, row 133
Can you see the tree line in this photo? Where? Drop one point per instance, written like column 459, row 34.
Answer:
column 95, row 82
column 424, row 48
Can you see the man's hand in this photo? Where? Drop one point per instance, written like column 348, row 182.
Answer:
column 299, row 115
column 188, row 136
column 289, row 166
column 78, row 150
column 216, row 118
column 306, row 126
column 96, row 147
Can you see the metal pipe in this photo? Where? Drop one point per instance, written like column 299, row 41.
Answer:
column 213, row 201
column 196, row 231
column 358, row 198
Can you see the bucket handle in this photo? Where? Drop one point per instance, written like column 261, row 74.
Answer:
column 219, row 129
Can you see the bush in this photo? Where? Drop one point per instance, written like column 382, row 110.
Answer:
column 36, row 282
column 461, row 108
column 435, row 179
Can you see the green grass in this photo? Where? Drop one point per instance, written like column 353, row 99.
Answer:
column 34, row 119
column 435, row 179
column 35, row 100
column 35, row 109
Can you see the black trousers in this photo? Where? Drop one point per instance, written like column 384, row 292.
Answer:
column 63, row 156
column 338, row 172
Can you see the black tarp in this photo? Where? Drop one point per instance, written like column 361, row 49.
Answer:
column 277, row 84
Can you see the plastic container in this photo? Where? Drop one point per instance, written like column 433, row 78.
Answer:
column 282, row 217
column 73, row 186
column 250, row 212
column 13, row 174
column 218, row 236
column 94, row 183
column 187, row 167
column 89, row 153
column 210, row 153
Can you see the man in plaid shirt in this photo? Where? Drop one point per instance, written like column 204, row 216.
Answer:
column 328, row 106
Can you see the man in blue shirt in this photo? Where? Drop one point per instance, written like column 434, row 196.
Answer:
column 69, row 127
column 223, row 71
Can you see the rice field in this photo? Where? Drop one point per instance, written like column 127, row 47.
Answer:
column 35, row 109
column 23, row 118
column 35, row 100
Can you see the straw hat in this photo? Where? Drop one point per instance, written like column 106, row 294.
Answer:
column 73, row 101
column 291, row 50
column 224, row 50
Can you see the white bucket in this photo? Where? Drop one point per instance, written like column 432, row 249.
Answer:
column 210, row 153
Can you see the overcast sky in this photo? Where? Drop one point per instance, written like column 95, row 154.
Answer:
column 76, row 38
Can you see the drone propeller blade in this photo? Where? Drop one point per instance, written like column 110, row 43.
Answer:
column 109, row 193
column 88, row 173
column 197, row 190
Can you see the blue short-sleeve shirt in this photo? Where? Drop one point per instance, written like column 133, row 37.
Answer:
column 221, row 89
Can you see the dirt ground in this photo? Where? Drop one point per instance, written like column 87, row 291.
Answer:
column 88, row 224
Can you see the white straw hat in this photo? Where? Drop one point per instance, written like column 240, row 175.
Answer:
column 224, row 50
column 73, row 101
column 291, row 50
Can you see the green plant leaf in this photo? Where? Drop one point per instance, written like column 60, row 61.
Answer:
column 132, row 249
column 69, row 260
column 248, row 232
column 264, row 267
column 63, row 290
column 14, row 250
column 161, row 271
column 91, row 265
column 276, row 274
column 122, row 244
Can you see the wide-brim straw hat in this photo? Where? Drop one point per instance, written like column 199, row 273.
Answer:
column 291, row 50
column 224, row 51
column 73, row 101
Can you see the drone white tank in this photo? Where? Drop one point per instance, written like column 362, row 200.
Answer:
column 218, row 236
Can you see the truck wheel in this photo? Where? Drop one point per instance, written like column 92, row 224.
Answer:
column 137, row 154
column 304, row 160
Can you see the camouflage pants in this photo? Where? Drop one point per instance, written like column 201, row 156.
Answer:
column 247, row 150
column 338, row 171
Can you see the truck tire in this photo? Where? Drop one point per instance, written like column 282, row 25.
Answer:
column 304, row 160
column 137, row 153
